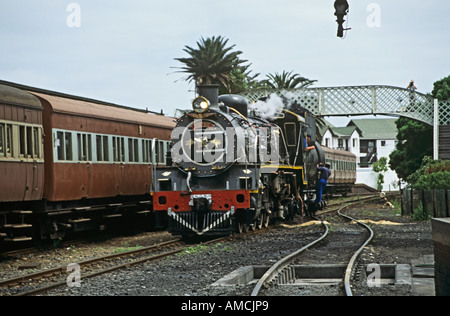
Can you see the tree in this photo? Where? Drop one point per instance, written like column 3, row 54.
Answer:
column 433, row 174
column 441, row 90
column 415, row 141
column 212, row 62
column 287, row 80
column 380, row 167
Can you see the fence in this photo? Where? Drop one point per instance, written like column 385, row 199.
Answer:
column 426, row 203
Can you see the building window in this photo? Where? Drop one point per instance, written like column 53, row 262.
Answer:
column 367, row 146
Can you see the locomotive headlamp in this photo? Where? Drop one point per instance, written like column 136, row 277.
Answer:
column 200, row 105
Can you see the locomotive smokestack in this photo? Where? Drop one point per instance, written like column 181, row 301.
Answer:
column 210, row 92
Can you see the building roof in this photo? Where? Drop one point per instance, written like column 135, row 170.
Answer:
column 376, row 128
column 344, row 131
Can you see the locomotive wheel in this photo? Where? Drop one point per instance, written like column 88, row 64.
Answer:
column 240, row 227
column 266, row 220
column 243, row 228
column 260, row 222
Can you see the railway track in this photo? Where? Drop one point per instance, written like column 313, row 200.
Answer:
column 283, row 271
column 43, row 281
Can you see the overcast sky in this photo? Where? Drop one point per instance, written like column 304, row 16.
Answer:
column 123, row 51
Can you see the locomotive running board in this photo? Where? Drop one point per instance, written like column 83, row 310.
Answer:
column 211, row 226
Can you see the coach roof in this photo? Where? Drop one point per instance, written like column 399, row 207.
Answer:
column 101, row 110
column 14, row 96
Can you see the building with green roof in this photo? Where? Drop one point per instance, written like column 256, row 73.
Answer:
column 369, row 140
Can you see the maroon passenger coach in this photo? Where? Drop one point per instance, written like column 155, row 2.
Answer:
column 73, row 163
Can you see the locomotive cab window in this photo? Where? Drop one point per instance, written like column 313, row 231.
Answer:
column 290, row 130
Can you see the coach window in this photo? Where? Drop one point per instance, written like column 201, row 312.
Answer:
column 102, row 148
column 64, row 144
column 160, row 152
column 147, row 151
column 29, row 152
column 84, row 147
column 8, row 143
column 36, row 147
column 133, row 150
column 118, row 149
column 2, row 137
column 22, row 141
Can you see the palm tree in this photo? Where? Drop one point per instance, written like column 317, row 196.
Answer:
column 212, row 62
column 287, row 80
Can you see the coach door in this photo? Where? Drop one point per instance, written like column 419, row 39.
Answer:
column 84, row 142
column 30, row 153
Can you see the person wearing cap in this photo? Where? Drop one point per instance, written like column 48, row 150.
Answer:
column 324, row 175
column 309, row 145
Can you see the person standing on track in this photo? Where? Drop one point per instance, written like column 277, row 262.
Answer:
column 324, row 174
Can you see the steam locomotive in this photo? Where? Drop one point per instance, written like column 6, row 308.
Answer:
column 230, row 169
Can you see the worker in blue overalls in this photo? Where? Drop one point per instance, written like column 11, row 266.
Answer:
column 324, row 174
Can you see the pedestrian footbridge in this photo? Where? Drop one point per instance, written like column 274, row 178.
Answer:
column 373, row 100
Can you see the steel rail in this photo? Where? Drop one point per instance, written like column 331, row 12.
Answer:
column 279, row 266
column 40, row 274
column 283, row 263
column 351, row 265
column 121, row 266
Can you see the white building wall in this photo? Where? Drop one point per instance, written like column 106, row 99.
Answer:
column 368, row 177
column 327, row 138
column 354, row 140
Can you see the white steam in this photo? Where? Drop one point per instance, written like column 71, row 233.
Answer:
column 267, row 109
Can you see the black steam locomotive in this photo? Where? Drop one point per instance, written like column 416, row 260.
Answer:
column 234, row 167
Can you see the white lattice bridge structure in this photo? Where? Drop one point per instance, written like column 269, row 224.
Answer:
column 370, row 100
